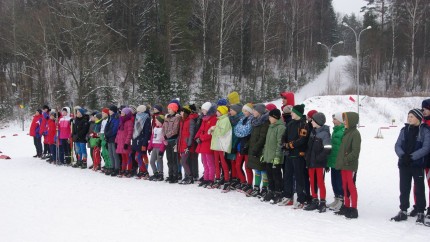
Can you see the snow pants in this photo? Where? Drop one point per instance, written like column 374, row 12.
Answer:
column 239, row 169
column 208, row 166
column 294, row 170
column 38, row 145
column 406, row 176
column 274, row 175
column 220, row 158
column 319, row 174
column 172, row 158
column 350, row 196
column 336, row 182
column 156, row 157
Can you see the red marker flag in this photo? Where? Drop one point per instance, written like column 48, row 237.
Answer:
column 351, row 99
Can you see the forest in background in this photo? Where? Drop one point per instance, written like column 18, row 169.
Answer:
column 94, row 53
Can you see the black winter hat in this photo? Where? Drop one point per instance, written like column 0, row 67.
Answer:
column 193, row 108
column 113, row 108
column 39, row 110
column 417, row 113
column 45, row 107
column 319, row 118
column 299, row 109
column 98, row 116
column 426, row 104
column 158, row 107
column 53, row 114
column 275, row 113
column 237, row 107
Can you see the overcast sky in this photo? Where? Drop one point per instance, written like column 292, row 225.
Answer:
column 348, row 6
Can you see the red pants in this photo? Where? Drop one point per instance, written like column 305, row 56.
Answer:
column 219, row 156
column 320, row 180
column 96, row 157
column 239, row 164
column 348, row 185
column 125, row 164
column 233, row 169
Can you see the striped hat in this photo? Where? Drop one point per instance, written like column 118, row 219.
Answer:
column 417, row 113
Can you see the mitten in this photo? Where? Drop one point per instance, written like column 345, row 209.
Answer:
column 125, row 146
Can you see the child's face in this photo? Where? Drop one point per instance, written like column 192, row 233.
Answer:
column 246, row 113
column 336, row 122
column 183, row 115
column 412, row 120
column 51, row 117
column 122, row 114
column 272, row 120
column 218, row 114
column 104, row 115
column 232, row 112
column 314, row 124
column 170, row 111
column 294, row 116
column 426, row 112
column 255, row 113
column 204, row 111
column 158, row 123
column 284, row 101
column 64, row 113
column 111, row 112
column 79, row 114
column 36, row 113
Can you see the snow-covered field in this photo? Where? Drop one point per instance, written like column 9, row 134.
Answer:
column 42, row 202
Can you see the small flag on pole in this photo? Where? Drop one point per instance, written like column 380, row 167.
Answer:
column 351, row 99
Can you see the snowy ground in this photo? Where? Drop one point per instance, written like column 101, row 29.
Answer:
column 42, row 202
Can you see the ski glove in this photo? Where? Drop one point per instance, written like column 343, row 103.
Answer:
column 125, row 146
column 276, row 161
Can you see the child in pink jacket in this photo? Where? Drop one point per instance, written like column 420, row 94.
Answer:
column 123, row 140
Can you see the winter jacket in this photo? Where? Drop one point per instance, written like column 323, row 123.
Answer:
column 186, row 133
column 94, row 136
column 80, row 129
column 427, row 158
column 422, row 146
column 272, row 146
column 51, row 133
column 349, row 149
column 243, row 131
column 64, row 125
column 44, row 124
column 90, row 130
column 124, row 135
column 319, row 147
column 257, row 140
column 171, row 126
column 141, row 131
column 205, row 137
column 222, row 135
column 111, row 128
column 296, row 137
column 35, row 126
column 234, row 120
column 157, row 140
column 336, row 139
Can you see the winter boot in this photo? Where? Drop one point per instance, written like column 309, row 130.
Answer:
column 226, row 187
column 84, row 164
column 428, row 213
column 91, row 166
column 338, row 205
column 352, row 213
column 201, row 179
column 139, row 175
column 173, row 180
column 235, row 183
column 77, row 164
column 312, row 206
column 277, row 198
column 420, row 218
column 145, row 175
column 286, row 201
column 36, row 155
column 203, row 183
column 115, row 172
column 217, row 184
column 322, row 207
column 188, row 180
column 108, row 171
column 269, row 196
column 414, row 212
column 248, row 190
column 179, row 177
column 160, row 176
column 255, row 191
column 208, row 185
column 336, row 200
column 262, row 193
column 402, row 215
column 342, row 211
column 153, row 177
column 167, row 179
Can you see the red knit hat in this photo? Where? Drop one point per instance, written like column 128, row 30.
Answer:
column 311, row 113
column 270, row 106
column 105, row 110
column 173, row 106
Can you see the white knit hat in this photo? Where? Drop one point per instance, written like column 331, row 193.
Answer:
column 338, row 116
column 141, row 108
column 206, row 106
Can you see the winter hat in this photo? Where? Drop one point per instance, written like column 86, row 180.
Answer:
column 236, row 107
column 222, row 102
column 186, row 109
column 98, row 116
column 222, row 109
column 338, row 117
column 290, row 97
column 299, row 109
column 248, row 107
column 94, row 113
column 260, row 108
column 233, row 98
column 417, row 113
column 287, row 109
column 270, row 106
column 319, row 118
column 275, row 113
column 105, row 110
column 83, row 111
column 113, row 108
column 206, row 106
column 133, row 108
column 158, row 107
column 39, row 111
column 127, row 111
column 426, row 104
column 173, row 106
column 45, row 107
column 312, row 113
column 141, row 109
column 121, row 107
column 193, row 108
column 53, row 114
column 160, row 118
column 176, row 101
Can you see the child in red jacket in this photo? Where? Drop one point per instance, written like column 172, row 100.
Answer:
column 34, row 132
column 185, row 142
column 51, row 136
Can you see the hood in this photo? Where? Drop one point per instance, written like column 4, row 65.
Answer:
column 68, row 111
column 323, row 128
column 352, row 119
column 260, row 120
column 277, row 123
column 212, row 110
column 290, row 98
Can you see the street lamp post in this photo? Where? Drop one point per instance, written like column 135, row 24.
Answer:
column 329, row 58
column 357, row 50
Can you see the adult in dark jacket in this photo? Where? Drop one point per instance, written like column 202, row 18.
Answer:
column 319, row 147
column 347, row 162
column 34, row 132
column 412, row 146
column 79, row 135
column 141, row 134
column 111, row 130
column 294, row 142
column 260, row 124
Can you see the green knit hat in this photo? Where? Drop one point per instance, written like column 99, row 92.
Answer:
column 299, row 110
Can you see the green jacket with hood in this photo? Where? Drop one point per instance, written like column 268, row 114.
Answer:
column 272, row 147
column 349, row 149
